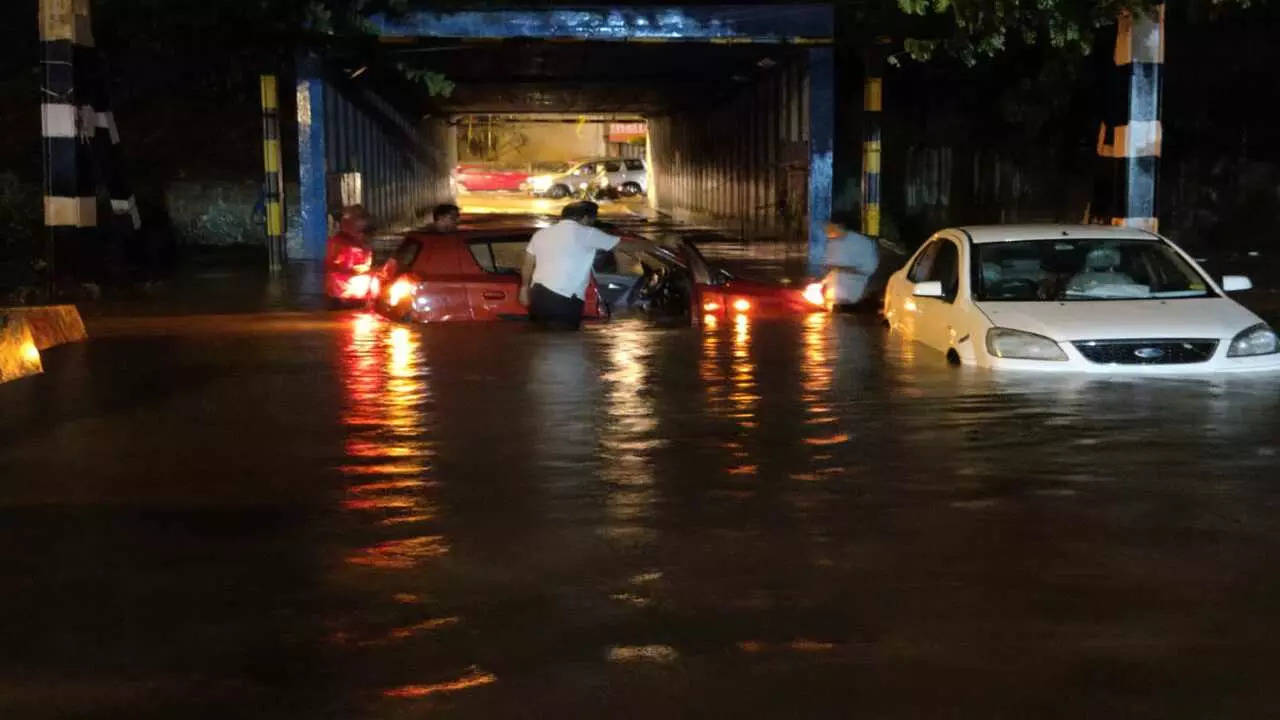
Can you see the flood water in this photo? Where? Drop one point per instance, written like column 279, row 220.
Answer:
column 308, row 515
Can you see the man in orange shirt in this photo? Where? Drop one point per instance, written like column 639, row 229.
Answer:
column 348, row 258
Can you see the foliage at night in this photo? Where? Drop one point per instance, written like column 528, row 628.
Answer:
column 975, row 29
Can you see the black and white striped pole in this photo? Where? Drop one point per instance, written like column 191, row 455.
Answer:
column 68, row 123
column 111, row 168
column 1130, row 137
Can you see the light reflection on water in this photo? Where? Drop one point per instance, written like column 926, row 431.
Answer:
column 657, row 475
column 629, row 437
column 387, row 384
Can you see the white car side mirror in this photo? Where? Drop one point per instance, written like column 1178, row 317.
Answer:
column 928, row 288
column 1236, row 283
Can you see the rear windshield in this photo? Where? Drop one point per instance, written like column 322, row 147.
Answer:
column 635, row 164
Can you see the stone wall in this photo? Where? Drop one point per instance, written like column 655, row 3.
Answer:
column 222, row 213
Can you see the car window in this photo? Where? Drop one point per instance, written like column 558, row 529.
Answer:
column 483, row 255
column 500, row 254
column 946, row 268
column 508, row 254
column 923, row 266
column 407, row 253
column 605, row 263
column 635, row 164
column 613, row 166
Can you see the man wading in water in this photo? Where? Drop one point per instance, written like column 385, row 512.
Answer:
column 557, row 265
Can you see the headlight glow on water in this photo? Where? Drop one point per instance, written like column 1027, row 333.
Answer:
column 1019, row 345
column 1257, row 340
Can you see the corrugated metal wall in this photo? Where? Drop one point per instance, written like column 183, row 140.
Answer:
column 404, row 168
column 743, row 164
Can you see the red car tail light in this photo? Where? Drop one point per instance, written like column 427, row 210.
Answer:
column 358, row 286
column 399, row 290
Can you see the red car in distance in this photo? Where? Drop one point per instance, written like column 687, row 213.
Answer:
column 474, row 275
column 474, row 177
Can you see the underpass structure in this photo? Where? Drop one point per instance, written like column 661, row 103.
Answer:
column 738, row 102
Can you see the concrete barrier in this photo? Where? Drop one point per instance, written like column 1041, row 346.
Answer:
column 25, row 331
column 51, row 325
column 19, row 356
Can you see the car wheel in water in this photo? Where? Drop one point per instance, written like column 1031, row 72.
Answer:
column 631, row 189
column 558, row 192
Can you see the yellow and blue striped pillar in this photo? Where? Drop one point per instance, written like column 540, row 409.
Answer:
column 872, row 107
column 1130, row 136
column 68, row 125
column 273, row 184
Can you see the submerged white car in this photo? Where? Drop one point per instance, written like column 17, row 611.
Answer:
column 1088, row 298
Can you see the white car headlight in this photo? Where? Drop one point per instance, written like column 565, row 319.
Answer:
column 1257, row 340
column 1019, row 345
column 540, row 182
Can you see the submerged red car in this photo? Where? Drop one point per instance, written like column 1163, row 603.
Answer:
column 482, row 176
column 475, row 275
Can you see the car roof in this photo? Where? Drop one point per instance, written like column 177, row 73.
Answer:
column 981, row 234
column 465, row 233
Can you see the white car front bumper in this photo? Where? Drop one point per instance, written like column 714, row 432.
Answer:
column 1218, row 364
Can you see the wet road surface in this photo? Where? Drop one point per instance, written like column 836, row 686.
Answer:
column 325, row 515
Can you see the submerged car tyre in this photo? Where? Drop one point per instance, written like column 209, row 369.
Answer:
column 558, row 192
column 631, row 189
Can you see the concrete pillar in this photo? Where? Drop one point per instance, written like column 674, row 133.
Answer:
column 821, row 149
column 311, row 156
column 1130, row 136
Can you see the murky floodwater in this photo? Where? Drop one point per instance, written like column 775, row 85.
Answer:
column 333, row 516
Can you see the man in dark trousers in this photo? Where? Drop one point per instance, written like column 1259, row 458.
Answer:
column 557, row 265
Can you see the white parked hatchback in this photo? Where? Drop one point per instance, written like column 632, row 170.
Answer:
column 1088, row 298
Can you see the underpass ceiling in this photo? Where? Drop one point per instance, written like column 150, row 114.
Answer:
column 523, row 76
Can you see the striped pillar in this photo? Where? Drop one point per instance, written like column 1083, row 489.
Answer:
column 1129, row 138
column 273, row 183
column 872, row 106
column 111, row 167
column 68, row 124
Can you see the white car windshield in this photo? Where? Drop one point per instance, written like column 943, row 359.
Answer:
column 1068, row 269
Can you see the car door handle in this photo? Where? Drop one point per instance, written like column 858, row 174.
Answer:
column 493, row 295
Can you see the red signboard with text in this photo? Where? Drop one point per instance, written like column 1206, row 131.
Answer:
column 626, row 132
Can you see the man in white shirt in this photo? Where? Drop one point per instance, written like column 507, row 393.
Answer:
column 557, row 265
